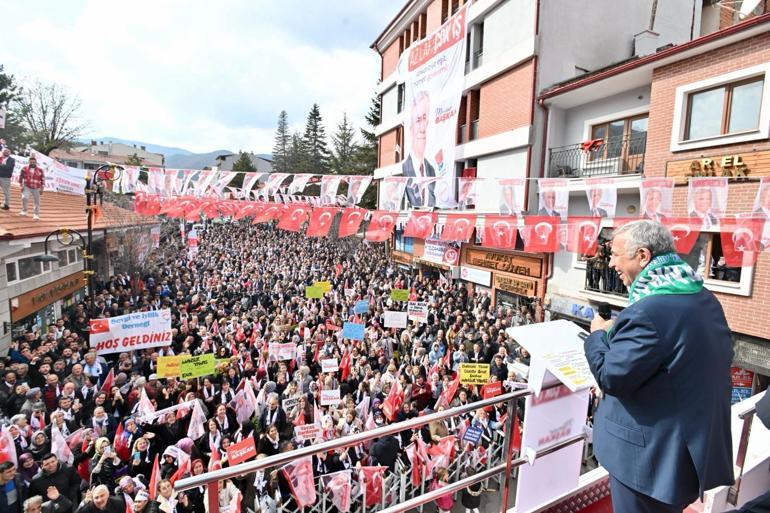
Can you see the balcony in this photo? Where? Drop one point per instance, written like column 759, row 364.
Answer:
column 612, row 156
column 462, row 139
column 474, row 130
column 478, row 58
column 600, row 277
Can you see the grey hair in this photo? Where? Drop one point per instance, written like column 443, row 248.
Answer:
column 37, row 500
column 648, row 235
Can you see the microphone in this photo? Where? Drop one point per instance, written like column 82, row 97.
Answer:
column 604, row 311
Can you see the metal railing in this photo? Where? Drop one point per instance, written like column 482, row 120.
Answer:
column 743, row 446
column 462, row 135
column 474, row 130
column 210, row 479
column 612, row 156
column 478, row 58
column 600, row 277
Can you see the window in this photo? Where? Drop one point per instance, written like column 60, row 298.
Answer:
column 72, row 255
column 706, row 259
column 46, row 266
column 28, row 268
column 62, row 255
column 619, row 136
column 10, row 272
column 400, row 101
column 725, row 109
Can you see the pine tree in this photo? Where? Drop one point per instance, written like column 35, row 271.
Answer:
column 282, row 145
column 296, row 157
column 14, row 133
column 345, row 148
column 314, row 142
column 244, row 164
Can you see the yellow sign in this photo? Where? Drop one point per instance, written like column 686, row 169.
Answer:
column 169, row 366
column 314, row 292
column 474, row 373
column 326, row 286
column 198, row 366
column 399, row 294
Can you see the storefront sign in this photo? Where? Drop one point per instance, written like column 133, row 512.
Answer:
column 140, row 330
column 474, row 373
column 476, row 275
column 34, row 300
column 505, row 262
column 518, row 286
column 743, row 380
column 740, row 165
column 441, row 252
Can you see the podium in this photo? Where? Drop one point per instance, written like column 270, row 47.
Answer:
column 561, row 380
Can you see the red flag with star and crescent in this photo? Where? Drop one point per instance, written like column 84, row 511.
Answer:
column 458, row 227
column 499, row 232
column 321, row 221
column 381, row 225
column 741, row 239
column 541, row 234
column 685, row 231
column 583, row 235
column 420, row 224
column 350, row 221
column 293, row 218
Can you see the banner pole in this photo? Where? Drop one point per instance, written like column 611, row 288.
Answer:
column 508, row 452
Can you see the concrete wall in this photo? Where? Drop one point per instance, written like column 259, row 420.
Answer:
column 499, row 36
column 389, row 106
column 509, row 164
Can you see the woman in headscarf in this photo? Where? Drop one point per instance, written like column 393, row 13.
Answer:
column 195, row 495
column 141, row 459
column 27, row 467
column 106, row 465
column 40, row 445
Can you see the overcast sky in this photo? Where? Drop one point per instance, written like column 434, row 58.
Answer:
column 201, row 75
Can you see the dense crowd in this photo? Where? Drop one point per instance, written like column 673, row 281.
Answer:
column 243, row 290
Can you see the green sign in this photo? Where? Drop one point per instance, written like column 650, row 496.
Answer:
column 314, row 292
column 399, row 294
column 198, row 366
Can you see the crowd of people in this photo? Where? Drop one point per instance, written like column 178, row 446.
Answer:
column 128, row 434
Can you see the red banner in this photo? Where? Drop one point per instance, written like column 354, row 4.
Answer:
column 541, row 234
column 242, row 451
column 320, row 221
column 269, row 212
column 741, row 240
column 293, row 218
column 350, row 221
column 492, row 389
column 372, row 477
column 420, row 224
column 381, row 225
column 499, row 232
column 458, row 227
column 583, row 235
column 299, row 474
column 685, row 231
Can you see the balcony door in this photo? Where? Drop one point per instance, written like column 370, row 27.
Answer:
column 623, row 139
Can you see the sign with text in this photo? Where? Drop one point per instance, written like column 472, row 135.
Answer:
column 474, row 373
column 330, row 397
column 307, row 432
column 492, row 389
column 330, row 365
column 313, row 292
column 474, row 275
column 515, row 285
column 750, row 164
column 198, row 366
column 131, row 332
column 353, row 331
column 399, row 294
column 242, row 451
column 325, row 286
column 417, row 311
column 441, row 252
column 361, row 307
column 505, row 262
column 279, row 352
column 289, row 404
column 394, row 319
column 169, row 366
column 473, row 435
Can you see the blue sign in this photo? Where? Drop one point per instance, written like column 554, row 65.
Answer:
column 361, row 307
column 353, row 331
column 740, row 393
column 473, row 435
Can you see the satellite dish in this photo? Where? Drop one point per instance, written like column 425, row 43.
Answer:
column 747, row 7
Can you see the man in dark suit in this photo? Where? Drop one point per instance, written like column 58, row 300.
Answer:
column 548, row 204
column 594, row 198
column 701, row 207
column 662, row 429
column 653, row 201
column 416, row 165
column 7, row 164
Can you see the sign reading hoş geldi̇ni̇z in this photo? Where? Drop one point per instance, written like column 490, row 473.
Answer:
column 131, row 332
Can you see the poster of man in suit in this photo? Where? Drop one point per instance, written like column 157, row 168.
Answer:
column 554, row 197
column 511, row 195
column 602, row 195
column 762, row 210
column 433, row 85
column 656, row 197
column 707, row 200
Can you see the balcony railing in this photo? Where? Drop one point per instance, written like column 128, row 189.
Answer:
column 612, row 156
column 600, row 277
column 478, row 58
column 462, row 138
column 474, row 130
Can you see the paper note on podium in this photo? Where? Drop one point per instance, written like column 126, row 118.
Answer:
column 556, row 351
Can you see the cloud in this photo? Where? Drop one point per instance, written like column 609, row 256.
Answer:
column 201, row 75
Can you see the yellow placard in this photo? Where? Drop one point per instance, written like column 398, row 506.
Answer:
column 198, row 366
column 169, row 366
column 313, row 292
column 326, row 286
column 474, row 373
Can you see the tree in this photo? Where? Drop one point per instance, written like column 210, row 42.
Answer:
column 282, row 145
column 13, row 133
column 133, row 160
column 244, row 164
column 50, row 116
column 297, row 158
column 314, row 142
column 345, row 148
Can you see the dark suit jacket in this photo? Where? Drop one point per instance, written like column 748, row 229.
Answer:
column 412, row 191
column 663, row 426
column 599, row 211
column 711, row 217
column 6, row 170
column 544, row 212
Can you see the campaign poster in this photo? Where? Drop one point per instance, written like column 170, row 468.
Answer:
column 441, row 252
column 392, row 319
column 329, row 186
column 58, row 177
column 554, row 197
column 140, row 330
column 707, row 200
column 434, row 80
column 468, row 195
column 392, row 192
column 510, row 195
column 656, row 196
column 762, row 210
column 602, row 194
column 357, row 186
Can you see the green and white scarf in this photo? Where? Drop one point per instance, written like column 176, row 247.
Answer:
column 665, row 274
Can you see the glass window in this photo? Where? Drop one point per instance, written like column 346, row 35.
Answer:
column 62, row 258
column 28, row 268
column 71, row 255
column 79, row 255
column 706, row 114
column 10, row 272
column 46, row 266
column 707, row 260
column 745, row 105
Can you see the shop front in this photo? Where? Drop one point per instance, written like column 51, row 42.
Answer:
column 516, row 279
column 40, row 307
column 439, row 258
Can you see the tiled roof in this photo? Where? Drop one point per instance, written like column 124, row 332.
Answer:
column 63, row 156
column 59, row 210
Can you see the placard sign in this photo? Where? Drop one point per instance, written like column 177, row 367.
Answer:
column 289, row 404
column 307, row 432
column 417, row 311
column 474, row 373
column 394, row 319
column 399, row 294
column 242, row 451
column 361, row 307
column 131, row 332
column 330, row 365
column 353, row 331
column 198, row 366
column 473, row 435
column 492, row 389
column 330, row 397
column 278, row 351
column 169, row 366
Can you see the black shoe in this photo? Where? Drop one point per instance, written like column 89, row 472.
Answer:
column 6, row 207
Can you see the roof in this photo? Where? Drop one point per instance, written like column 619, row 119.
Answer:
column 59, row 210
column 392, row 22
column 670, row 54
column 85, row 156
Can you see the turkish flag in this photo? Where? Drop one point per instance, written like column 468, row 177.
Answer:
column 583, row 235
column 320, row 221
column 499, row 232
column 299, row 474
column 350, row 221
column 741, row 240
column 381, row 225
column 458, row 227
column 154, row 478
column 108, row 381
column 541, row 234
column 393, row 402
column 420, row 224
column 99, row 326
column 685, row 231
column 372, row 477
column 268, row 212
column 228, row 208
column 245, row 209
column 121, row 443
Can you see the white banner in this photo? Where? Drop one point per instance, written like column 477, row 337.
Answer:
column 707, row 200
column 441, row 252
column 417, row 311
column 394, row 319
column 330, row 397
column 131, row 332
column 277, row 351
column 329, row 365
column 657, row 198
column 307, row 432
column 434, row 79
column 602, row 194
column 476, row 275
column 58, row 177
column 554, row 197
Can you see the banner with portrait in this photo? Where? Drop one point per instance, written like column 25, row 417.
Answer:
column 391, row 192
column 554, row 197
column 357, row 186
column 510, row 195
column 434, row 80
column 469, row 189
column 707, row 200
column 656, row 197
column 602, row 195
column 329, row 186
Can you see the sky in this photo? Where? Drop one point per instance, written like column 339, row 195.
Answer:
column 200, row 75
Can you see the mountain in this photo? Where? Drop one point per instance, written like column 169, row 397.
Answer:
column 152, row 148
column 194, row 160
